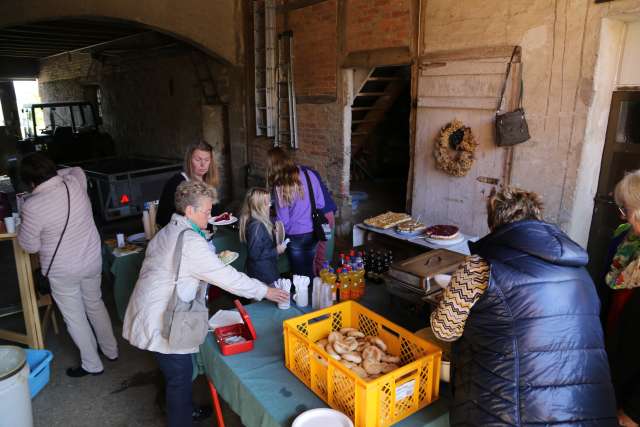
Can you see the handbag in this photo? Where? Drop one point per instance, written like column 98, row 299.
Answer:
column 42, row 280
column 185, row 324
column 511, row 127
column 321, row 227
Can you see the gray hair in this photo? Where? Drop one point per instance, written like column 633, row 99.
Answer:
column 191, row 193
column 627, row 194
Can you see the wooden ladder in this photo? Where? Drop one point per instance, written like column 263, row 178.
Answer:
column 286, row 124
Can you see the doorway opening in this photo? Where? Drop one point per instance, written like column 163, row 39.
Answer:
column 380, row 142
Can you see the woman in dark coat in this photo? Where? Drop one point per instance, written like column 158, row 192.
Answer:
column 524, row 313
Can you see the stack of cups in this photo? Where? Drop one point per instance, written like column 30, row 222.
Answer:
column 302, row 290
column 316, row 293
column 285, row 285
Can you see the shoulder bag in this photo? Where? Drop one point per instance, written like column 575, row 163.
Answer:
column 321, row 227
column 511, row 127
column 42, row 280
column 185, row 324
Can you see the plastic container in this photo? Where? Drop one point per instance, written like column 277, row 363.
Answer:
column 322, row 417
column 15, row 400
column 377, row 403
column 245, row 330
column 39, row 364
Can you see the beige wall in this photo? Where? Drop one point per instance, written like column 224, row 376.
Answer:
column 560, row 41
column 630, row 63
column 214, row 25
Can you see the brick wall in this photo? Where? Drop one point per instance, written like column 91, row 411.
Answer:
column 64, row 67
column 375, row 24
column 315, row 48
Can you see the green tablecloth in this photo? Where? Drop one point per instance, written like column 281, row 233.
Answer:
column 125, row 269
column 259, row 388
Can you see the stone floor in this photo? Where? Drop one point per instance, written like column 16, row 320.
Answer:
column 125, row 395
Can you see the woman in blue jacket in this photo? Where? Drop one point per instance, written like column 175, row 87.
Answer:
column 524, row 313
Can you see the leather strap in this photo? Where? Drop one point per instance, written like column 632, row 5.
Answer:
column 63, row 230
column 312, row 196
column 506, row 80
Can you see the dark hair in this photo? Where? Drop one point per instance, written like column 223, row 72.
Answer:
column 36, row 168
column 510, row 204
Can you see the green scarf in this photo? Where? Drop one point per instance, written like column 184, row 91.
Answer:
column 197, row 229
column 627, row 252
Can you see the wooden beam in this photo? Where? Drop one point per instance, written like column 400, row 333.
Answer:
column 469, row 53
column 297, row 4
column 378, row 57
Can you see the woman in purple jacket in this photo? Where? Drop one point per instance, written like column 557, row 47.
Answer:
column 293, row 207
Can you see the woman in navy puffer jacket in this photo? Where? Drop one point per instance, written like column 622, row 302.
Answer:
column 531, row 350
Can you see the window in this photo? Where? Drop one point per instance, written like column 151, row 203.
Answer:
column 1, row 115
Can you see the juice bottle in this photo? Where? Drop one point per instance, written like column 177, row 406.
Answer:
column 345, row 288
column 324, row 271
column 355, row 283
column 331, row 280
column 341, row 257
column 361, row 280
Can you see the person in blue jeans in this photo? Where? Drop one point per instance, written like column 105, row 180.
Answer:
column 291, row 194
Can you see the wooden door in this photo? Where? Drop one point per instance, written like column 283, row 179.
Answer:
column 465, row 87
column 621, row 155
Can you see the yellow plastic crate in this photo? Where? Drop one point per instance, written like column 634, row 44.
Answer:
column 377, row 403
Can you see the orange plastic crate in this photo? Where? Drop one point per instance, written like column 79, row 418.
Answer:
column 377, row 403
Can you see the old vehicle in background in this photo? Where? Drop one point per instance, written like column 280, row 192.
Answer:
column 69, row 133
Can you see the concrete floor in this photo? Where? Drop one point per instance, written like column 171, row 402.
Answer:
column 125, row 395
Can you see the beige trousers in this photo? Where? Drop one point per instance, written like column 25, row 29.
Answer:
column 81, row 305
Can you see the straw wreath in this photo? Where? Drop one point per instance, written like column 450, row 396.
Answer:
column 454, row 149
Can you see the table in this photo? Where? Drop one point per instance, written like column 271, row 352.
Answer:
column 360, row 232
column 125, row 269
column 259, row 388
column 29, row 300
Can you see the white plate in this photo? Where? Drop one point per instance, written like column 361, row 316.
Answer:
column 445, row 242
column 322, row 417
column 229, row 261
column 136, row 238
column 227, row 222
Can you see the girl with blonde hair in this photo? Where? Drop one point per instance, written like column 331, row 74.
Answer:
column 292, row 187
column 256, row 230
column 200, row 165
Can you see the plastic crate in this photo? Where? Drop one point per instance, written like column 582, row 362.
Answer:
column 39, row 362
column 377, row 403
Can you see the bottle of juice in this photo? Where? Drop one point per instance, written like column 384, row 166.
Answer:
column 323, row 272
column 361, row 280
column 331, row 278
column 341, row 259
column 355, row 283
column 345, row 288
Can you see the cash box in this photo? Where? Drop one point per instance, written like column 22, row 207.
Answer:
column 236, row 338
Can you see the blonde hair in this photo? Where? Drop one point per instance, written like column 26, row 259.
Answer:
column 510, row 204
column 627, row 194
column 284, row 176
column 191, row 193
column 211, row 178
column 255, row 206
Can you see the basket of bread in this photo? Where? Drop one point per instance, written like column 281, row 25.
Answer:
column 358, row 362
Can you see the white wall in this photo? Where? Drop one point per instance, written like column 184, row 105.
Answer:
column 630, row 62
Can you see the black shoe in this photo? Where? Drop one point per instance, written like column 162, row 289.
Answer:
column 106, row 357
column 201, row 413
column 80, row 372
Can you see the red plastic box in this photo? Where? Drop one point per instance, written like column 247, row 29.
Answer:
column 244, row 330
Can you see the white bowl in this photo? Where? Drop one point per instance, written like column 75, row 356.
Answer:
column 322, row 417
column 442, row 280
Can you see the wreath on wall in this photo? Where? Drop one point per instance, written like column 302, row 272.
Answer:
column 455, row 147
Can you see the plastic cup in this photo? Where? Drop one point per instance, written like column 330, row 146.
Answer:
column 10, row 224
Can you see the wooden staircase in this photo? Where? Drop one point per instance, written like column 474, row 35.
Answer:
column 377, row 94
